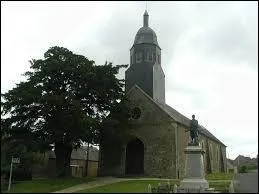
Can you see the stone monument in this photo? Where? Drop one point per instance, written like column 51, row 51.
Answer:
column 194, row 179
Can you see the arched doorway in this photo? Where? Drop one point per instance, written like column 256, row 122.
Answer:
column 134, row 157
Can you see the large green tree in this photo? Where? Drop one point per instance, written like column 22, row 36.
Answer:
column 63, row 102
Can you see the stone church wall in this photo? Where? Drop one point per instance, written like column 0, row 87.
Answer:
column 158, row 136
column 159, row 150
column 164, row 143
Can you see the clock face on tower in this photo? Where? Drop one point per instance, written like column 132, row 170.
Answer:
column 136, row 113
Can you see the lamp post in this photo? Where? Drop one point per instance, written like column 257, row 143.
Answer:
column 13, row 161
column 10, row 175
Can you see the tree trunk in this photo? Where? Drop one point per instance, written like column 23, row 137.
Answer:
column 87, row 158
column 100, row 157
column 63, row 156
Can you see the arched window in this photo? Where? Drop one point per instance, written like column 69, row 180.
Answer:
column 139, row 57
column 159, row 60
column 154, row 56
column 217, row 155
column 147, row 55
column 211, row 156
column 150, row 56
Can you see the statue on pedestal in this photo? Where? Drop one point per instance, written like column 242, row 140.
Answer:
column 193, row 131
column 194, row 179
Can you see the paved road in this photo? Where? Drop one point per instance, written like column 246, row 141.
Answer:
column 248, row 182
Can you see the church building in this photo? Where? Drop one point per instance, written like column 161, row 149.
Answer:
column 158, row 137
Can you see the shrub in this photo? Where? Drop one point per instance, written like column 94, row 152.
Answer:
column 19, row 174
column 251, row 167
column 230, row 170
column 243, row 169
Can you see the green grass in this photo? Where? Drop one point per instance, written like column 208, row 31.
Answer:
column 140, row 186
column 55, row 184
column 220, row 186
column 47, row 185
column 220, row 176
column 132, row 186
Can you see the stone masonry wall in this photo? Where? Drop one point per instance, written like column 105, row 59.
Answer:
column 154, row 129
column 164, row 142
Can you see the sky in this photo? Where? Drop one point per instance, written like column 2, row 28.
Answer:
column 209, row 53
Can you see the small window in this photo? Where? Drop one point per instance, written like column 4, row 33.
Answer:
column 159, row 61
column 150, row 57
column 147, row 55
column 154, row 57
column 136, row 112
column 139, row 57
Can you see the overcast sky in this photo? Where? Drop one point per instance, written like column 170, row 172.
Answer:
column 209, row 53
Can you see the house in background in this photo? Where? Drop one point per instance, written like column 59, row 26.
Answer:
column 230, row 166
column 78, row 163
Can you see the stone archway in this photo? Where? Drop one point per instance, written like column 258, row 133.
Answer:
column 134, row 157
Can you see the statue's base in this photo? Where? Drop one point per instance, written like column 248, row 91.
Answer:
column 194, row 170
column 193, row 183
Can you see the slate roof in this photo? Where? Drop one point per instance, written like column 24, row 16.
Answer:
column 145, row 34
column 81, row 154
column 180, row 118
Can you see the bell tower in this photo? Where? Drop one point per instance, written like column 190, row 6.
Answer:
column 145, row 63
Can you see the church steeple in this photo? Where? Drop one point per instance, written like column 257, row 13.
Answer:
column 145, row 19
column 145, row 63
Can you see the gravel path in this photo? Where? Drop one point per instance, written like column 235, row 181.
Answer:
column 97, row 183
column 100, row 182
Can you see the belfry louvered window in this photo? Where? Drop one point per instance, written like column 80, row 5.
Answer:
column 150, row 56
column 139, row 57
column 154, row 56
column 147, row 55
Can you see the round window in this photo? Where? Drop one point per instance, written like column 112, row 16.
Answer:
column 136, row 112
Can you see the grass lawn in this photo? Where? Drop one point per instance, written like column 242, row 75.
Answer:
column 220, row 186
column 55, row 184
column 47, row 185
column 140, row 186
column 220, row 176
column 133, row 186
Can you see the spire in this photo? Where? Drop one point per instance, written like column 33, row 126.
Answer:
column 145, row 19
